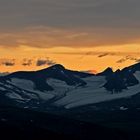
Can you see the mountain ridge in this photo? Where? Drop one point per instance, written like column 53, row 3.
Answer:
column 59, row 86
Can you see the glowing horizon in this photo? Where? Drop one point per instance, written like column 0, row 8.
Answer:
column 83, row 59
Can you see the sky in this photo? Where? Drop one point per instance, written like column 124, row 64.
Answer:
column 85, row 35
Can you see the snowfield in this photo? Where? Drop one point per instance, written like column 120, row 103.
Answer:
column 95, row 93
column 29, row 86
column 22, row 83
column 14, row 96
column 60, row 87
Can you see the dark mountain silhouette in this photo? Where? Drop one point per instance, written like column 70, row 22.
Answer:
column 121, row 79
column 115, row 82
column 132, row 68
column 106, row 72
column 57, row 72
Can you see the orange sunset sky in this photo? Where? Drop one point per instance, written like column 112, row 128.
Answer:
column 79, row 34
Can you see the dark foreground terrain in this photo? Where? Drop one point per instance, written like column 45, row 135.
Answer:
column 16, row 123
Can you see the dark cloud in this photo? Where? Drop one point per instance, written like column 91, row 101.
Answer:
column 126, row 58
column 98, row 22
column 27, row 62
column 103, row 55
column 42, row 62
column 69, row 13
column 7, row 62
column 121, row 60
column 100, row 53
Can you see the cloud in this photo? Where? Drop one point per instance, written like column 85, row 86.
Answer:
column 7, row 62
column 69, row 13
column 70, row 23
column 126, row 58
column 42, row 62
column 46, row 37
column 27, row 62
column 103, row 55
column 100, row 53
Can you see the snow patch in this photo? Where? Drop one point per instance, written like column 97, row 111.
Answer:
column 123, row 108
column 60, row 87
column 29, row 86
column 95, row 93
column 14, row 96
column 1, row 88
column 24, row 84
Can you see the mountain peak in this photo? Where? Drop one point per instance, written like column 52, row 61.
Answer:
column 118, row 71
column 106, row 72
column 57, row 66
column 109, row 69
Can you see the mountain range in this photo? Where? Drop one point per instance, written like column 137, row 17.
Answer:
column 56, row 101
column 60, row 87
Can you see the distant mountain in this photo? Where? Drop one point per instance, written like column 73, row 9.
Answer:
column 119, row 80
column 4, row 73
column 39, row 78
column 106, row 72
column 132, row 68
column 58, row 86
